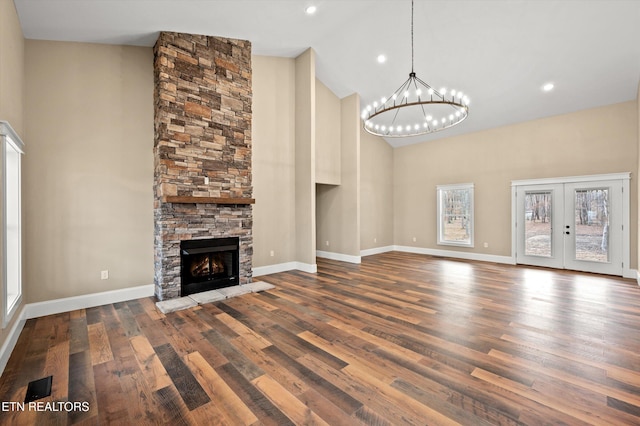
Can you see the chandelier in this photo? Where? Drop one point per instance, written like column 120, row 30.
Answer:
column 415, row 108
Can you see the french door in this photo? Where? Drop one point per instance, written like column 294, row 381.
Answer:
column 571, row 225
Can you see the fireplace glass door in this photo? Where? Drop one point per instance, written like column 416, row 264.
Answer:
column 209, row 264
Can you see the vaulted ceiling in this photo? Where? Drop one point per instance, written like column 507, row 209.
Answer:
column 499, row 52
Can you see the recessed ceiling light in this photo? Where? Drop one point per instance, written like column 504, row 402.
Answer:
column 311, row 10
column 382, row 59
column 547, row 87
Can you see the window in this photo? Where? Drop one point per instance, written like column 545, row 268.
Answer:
column 12, row 150
column 455, row 215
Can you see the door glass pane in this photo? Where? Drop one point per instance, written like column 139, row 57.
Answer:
column 592, row 224
column 537, row 228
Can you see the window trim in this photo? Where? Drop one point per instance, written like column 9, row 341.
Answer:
column 10, row 140
column 440, row 227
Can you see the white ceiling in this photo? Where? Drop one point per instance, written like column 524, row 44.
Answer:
column 499, row 52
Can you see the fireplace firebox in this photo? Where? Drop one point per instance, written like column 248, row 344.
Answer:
column 209, row 264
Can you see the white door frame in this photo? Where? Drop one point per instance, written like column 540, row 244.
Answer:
column 627, row 272
column 616, row 228
column 556, row 257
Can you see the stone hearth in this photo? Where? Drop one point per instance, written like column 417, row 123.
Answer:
column 202, row 149
column 187, row 302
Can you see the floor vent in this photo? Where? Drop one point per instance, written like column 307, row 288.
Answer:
column 37, row 389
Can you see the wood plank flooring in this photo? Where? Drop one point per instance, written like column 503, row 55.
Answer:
column 402, row 339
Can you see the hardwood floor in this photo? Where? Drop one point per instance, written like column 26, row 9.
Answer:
column 400, row 339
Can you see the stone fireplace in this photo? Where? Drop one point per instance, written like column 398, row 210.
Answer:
column 202, row 153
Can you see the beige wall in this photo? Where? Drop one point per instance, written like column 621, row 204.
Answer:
column 338, row 206
column 638, row 172
column 350, row 165
column 11, row 67
column 595, row 141
column 12, row 84
column 305, row 152
column 327, row 225
column 273, row 160
column 89, row 169
column 376, row 191
column 327, row 135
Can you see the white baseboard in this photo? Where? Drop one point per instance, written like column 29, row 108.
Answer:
column 310, row 268
column 274, row 269
column 457, row 254
column 56, row 306
column 338, row 256
column 11, row 340
column 376, row 250
column 630, row 273
column 284, row 267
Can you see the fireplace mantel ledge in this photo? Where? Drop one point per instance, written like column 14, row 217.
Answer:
column 177, row 199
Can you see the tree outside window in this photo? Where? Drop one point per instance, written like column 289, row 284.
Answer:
column 455, row 215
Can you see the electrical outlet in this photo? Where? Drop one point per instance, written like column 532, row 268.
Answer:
column 206, row 180
column 326, row 243
column 104, row 275
column 375, row 240
column 272, row 253
column 486, row 245
column 415, row 239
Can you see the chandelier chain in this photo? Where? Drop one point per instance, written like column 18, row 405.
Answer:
column 412, row 36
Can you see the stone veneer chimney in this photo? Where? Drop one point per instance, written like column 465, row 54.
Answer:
column 202, row 149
